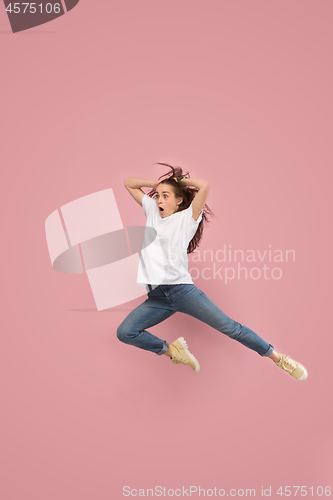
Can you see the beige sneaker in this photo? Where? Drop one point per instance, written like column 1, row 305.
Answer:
column 181, row 354
column 295, row 369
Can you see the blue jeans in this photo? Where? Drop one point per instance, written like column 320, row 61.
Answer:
column 166, row 300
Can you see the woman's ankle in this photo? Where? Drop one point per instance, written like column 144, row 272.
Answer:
column 275, row 357
column 168, row 352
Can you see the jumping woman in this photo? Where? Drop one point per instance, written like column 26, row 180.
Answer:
column 175, row 214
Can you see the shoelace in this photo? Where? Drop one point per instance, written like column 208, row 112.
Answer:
column 288, row 364
column 176, row 361
column 178, row 358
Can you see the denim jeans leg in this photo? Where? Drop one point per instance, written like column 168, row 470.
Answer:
column 150, row 313
column 197, row 304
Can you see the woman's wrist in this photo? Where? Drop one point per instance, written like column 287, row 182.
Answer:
column 180, row 180
column 197, row 183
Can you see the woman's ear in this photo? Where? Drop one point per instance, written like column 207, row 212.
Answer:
column 179, row 202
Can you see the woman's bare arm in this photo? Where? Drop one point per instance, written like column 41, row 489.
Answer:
column 200, row 198
column 134, row 185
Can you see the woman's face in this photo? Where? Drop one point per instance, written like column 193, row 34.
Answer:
column 166, row 200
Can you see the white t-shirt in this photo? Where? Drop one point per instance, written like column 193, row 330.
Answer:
column 163, row 258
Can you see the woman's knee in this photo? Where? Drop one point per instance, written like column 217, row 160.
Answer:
column 121, row 333
column 125, row 335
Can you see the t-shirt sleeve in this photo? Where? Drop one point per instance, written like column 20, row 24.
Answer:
column 148, row 205
column 191, row 223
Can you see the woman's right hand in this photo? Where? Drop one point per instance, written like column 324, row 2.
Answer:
column 155, row 183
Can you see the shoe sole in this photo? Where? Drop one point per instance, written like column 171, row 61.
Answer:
column 190, row 355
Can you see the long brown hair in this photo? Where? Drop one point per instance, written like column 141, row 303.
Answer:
column 187, row 193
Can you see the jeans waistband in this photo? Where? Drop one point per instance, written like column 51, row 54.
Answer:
column 150, row 287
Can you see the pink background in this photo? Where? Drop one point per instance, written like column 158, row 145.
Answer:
column 239, row 93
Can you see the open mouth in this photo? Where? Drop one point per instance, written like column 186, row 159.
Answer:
column 161, row 209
